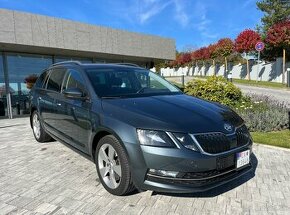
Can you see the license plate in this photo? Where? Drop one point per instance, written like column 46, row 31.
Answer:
column 243, row 158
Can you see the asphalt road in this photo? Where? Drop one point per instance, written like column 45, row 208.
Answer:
column 280, row 95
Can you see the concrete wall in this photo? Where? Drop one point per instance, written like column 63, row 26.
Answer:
column 42, row 31
column 265, row 72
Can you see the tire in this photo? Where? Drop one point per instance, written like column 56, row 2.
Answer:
column 39, row 133
column 113, row 166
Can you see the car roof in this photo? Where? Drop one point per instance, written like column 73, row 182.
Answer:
column 96, row 65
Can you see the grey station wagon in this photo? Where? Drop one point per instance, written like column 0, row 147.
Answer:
column 141, row 131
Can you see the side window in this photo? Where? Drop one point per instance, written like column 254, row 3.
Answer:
column 55, row 79
column 40, row 81
column 74, row 80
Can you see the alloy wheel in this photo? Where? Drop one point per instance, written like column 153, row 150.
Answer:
column 36, row 126
column 109, row 166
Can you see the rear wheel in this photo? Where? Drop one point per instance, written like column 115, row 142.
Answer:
column 113, row 166
column 38, row 131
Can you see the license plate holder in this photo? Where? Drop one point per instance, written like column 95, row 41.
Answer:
column 242, row 158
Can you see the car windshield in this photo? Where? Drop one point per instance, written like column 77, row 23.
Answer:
column 128, row 82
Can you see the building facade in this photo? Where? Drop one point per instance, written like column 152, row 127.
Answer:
column 30, row 43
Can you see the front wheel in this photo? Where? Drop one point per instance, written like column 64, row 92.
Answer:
column 38, row 131
column 113, row 166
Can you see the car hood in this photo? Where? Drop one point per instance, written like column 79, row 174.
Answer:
column 179, row 113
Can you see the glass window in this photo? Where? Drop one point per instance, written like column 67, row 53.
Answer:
column 65, row 58
column 116, row 82
column 54, row 82
column 74, row 80
column 23, row 69
column 3, row 103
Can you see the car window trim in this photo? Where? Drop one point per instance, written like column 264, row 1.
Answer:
column 50, row 72
column 84, row 80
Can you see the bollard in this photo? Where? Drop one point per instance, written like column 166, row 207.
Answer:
column 288, row 77
column 182, row 80
column 230, row 77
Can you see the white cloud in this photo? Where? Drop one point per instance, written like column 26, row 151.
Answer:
column 152, row 8
column 181, row 16
column 203, row 23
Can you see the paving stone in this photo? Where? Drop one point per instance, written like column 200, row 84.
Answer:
column 46, row 208
column 49, row 178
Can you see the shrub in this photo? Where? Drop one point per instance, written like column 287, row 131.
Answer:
column 216, row 89
column 259, row 112
column 264, row 114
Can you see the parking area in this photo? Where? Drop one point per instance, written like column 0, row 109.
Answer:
column 50, row 178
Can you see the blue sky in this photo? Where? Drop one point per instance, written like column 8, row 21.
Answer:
column 192, row 23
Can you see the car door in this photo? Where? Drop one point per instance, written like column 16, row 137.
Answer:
column 74, row 112
column 47, row 96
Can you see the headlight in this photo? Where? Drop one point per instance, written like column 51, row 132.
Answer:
column 186, row 141
column 154, row 138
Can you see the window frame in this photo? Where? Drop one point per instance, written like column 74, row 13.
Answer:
column 49, row 75
column 43, row 84
column 65, row 79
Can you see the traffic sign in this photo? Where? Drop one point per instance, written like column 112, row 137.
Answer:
column 259, row 46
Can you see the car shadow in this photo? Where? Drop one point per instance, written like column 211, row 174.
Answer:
column 221, row 189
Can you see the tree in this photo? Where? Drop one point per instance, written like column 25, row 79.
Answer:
column 185, row 58
column 224, row 48
column 275, row 11
column 201, row 54
column 279, row 37
column 212, row 49
column 245, row 43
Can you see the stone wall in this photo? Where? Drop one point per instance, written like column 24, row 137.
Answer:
column 265, row 71
column 31, row 30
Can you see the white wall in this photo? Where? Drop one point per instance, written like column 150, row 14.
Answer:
column 266, row 71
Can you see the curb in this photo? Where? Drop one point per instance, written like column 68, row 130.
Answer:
column 271, row 147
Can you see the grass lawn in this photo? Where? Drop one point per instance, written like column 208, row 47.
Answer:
column 274, row 138
column 253, row 83
column 260, row 83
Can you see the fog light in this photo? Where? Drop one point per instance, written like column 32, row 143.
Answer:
column 165, row 173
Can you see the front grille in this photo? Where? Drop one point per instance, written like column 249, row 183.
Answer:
column 214, row 143
column 243, row 136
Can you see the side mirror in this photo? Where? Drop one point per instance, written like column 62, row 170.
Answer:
column 74, row 93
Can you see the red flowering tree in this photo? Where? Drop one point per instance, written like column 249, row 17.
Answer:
column 224, row 48
column 245, row 43
column 200, row 55
column 278, row 36
column 212, row 50
column 185, row 58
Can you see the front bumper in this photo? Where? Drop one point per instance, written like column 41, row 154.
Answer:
column 197, row 172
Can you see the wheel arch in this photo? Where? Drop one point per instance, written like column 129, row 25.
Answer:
column 99, row 135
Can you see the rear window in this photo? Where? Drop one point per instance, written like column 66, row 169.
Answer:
column 55, row 79
column 41, row 79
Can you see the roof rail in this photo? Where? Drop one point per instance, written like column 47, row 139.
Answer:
column 66, row 62
column 127, row 64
